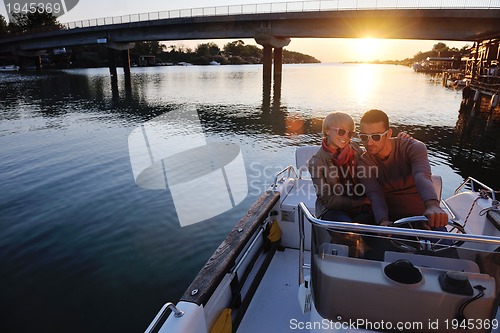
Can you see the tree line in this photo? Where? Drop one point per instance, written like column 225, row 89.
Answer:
column 236, row 52
column 438, row 50
column 30, row 22
column 442, row 50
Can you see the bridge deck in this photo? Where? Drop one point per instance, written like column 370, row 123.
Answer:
column 461, row 24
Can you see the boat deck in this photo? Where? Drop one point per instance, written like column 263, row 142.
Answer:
column 275, row 306
column 275, row 302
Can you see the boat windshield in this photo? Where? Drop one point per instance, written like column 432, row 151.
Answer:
column 446, row 282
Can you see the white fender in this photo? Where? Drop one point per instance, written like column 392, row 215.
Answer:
column 477, row 95
column 494, row 101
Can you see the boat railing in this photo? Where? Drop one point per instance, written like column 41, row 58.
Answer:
column 162, row 316
column 305, row 214
column 471, row 181
column 449, row 210
column 279, row 178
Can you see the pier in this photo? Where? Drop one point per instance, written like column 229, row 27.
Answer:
column 483, row 76
column 483, row 68
column 478, row 126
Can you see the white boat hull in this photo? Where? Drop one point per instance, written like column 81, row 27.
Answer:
column 273, row 287
column 10, row 68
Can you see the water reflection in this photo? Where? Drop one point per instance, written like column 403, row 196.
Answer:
column 365, row 80
column 478, row 142
column 473, row 146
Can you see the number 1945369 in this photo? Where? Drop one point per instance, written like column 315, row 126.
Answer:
column 33, row 7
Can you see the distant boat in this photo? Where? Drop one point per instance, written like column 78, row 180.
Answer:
column 454, row 78
column 182, row 63
column 9, row 68
column 215, row 63
column 435, row 64
column 460, row 83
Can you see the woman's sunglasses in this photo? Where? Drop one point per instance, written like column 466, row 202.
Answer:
column 374, row 137
column 342, row 132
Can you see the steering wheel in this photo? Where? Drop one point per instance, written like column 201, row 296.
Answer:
column 414, row 244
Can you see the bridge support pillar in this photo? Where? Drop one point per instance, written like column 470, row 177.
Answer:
column 124, row 48
column 126, row 67
column 267, row 61
column 38, row 63
column 21, row 57
column 268, row 43
column 112, row 67
column 278, row 63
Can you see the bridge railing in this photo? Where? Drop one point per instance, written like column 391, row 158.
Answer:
column 289, row 7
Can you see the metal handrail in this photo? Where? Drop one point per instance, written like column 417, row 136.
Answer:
column 356, row 227
column 471, row 181
column 302, row 206
column 290, row 169
column 448, row 208
column 288, row 7
column 157, row 321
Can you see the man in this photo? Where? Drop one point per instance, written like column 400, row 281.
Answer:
column 396, row 174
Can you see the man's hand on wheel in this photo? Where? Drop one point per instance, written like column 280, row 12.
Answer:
column 436, row 215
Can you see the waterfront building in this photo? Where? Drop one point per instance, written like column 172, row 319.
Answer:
column 482, row 68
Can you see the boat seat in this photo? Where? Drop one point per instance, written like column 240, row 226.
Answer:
column 437, row 182
column 304, row 154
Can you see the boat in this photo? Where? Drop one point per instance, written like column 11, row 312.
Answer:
column 9, row 68
column 454, row 78
column 214, row 63
column 281, row 269
column 460, row 83
column 436, row 64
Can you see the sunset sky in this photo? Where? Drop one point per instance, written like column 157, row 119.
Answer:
column 326, row 50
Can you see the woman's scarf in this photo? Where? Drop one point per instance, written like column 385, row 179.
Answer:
column 344, row 159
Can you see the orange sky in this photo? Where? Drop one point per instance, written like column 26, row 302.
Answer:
column 348, row 49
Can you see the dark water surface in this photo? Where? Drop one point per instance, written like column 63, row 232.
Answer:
column 84, row 249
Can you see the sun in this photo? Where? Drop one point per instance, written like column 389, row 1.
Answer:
column 368, row 49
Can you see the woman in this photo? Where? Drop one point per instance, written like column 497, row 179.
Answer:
column 333, row 171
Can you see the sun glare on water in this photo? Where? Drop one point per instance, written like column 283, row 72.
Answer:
column 366, row 82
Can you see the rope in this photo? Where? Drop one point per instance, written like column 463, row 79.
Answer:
column 483, row 194
column 470, row 210
column 461, row 315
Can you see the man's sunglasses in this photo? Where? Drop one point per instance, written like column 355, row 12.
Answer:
column 374, row 137
column 342, row 132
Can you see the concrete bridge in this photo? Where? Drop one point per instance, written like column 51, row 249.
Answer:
column 273, row 24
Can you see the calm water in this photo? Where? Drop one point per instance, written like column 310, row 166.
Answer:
column 84, row 249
